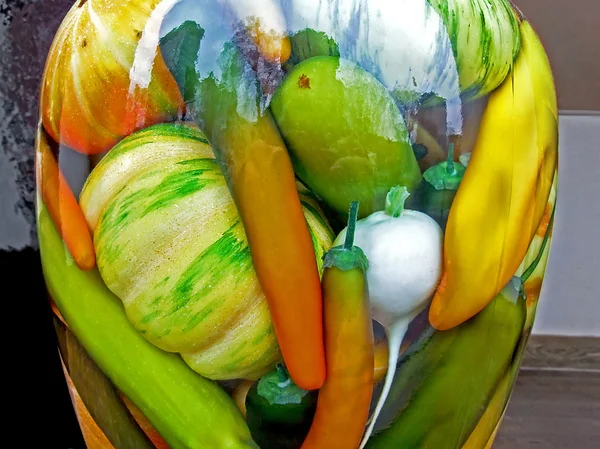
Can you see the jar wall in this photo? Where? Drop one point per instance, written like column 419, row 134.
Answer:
column 286, row 224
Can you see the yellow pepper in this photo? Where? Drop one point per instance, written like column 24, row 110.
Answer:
column 503, row 195
column 532, row 273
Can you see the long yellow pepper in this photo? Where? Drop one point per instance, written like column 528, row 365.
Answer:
column 533, row 275
column 502, row 198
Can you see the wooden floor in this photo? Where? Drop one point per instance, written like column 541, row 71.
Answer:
column 553, row 410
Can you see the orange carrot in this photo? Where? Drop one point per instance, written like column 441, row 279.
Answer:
column 344, row 400
column 62, row 205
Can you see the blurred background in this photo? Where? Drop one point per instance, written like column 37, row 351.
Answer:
column 569, row 306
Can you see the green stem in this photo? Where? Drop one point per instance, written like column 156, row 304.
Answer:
column 394, row 202
column 352, row 217
column 347, row 256
column 282, row 373
column 450, row 165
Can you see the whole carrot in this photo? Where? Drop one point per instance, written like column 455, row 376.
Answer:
column 344, row 399
column 259, row 173
column 62, row 205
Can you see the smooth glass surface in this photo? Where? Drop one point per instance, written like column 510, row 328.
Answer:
column 294, row 223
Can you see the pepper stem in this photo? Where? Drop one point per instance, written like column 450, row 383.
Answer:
column 282, row 373
column 450, row 164
column 394, row 201
column 352, row 217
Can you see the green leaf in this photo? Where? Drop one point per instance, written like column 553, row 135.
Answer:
column 308, row 43
column 277, row 387
column 179, row 48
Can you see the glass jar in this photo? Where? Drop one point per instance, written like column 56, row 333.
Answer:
column 294, row 223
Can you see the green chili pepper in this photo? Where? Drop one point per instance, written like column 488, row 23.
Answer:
column 438, row 189
column 279, row 413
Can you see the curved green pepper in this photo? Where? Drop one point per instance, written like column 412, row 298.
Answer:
column 444, row 386
column 435, row 203
column 188, row 410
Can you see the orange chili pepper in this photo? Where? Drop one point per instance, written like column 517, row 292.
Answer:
column 344, row 400
column 259, row 173
column 381, row 361
column 57, row 312
column 264, row 189
column 62, row 205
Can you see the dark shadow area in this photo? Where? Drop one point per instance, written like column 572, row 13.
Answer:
column 39, row 401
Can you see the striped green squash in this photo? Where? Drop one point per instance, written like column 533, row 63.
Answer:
column 170, row 244
column 485, row 40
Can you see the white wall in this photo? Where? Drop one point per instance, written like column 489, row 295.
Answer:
column 570, row 299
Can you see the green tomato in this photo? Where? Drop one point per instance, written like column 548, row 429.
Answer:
column 346, row 137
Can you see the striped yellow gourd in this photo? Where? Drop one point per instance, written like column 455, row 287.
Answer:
column 171, row 246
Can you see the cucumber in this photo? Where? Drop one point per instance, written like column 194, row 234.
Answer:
column 188, row 410
column 443, row 389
